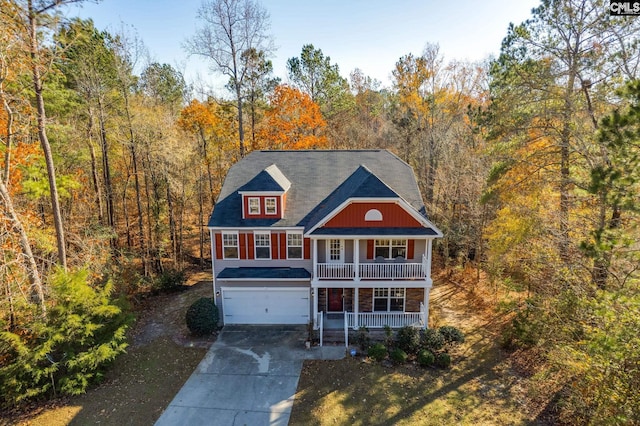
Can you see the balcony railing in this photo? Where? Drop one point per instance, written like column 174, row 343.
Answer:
column 372, row 271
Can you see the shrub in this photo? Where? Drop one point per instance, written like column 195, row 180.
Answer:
column 451, row 335
column 408, row 339
column 443, row 360
column 426, row 358
column 202, row 317
column 377, row 352
column 170, row 280
column 398, row 356
column 363, row 339
column 431, row 340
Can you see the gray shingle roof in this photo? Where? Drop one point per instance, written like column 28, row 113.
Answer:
column 320, row 181
column 265, row 273
column 270, row 179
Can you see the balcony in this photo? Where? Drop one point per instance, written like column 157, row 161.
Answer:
column 394, row 270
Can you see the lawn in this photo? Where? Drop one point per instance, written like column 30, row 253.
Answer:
column 479, row 388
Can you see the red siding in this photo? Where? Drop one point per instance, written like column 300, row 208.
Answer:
column 283, row 245
column 307, row 248
column 393, row 216
column 370, row 246
column 262, row 215
column 274, row 246
column 250, row 247
column 243, row 245
column 410, row 249
column 218, row 246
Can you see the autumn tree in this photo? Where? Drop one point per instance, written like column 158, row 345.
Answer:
column 230, row 31
column 292, row 122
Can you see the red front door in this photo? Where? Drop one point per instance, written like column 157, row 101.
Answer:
column 335, row 300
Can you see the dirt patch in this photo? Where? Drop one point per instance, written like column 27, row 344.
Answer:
column 160, row 358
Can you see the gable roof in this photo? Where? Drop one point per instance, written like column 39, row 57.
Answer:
column 320, row 180
column 270, row 179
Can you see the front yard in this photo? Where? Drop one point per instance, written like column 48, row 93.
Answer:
column 479, row 388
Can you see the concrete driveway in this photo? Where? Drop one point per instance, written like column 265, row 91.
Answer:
column 248, row 377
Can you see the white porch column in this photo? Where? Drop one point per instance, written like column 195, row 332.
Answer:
column 314, row 255
column 356, row 303
column 428, row 271
column 427, row 290
column 314, row 301
column 356, row 260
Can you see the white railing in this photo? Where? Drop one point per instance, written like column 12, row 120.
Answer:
column 393, row 271
column 335, row 270
column 320, row 322
column 382, row 319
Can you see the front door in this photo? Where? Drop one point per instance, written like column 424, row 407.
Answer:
column 335, row 300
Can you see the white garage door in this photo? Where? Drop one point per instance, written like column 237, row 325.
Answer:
column 259, row 305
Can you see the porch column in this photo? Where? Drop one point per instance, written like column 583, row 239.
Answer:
column 314, row 302
column 428, row 271
column 356, row 261
column 314, row 255
column 427, row 290
column 356, row 305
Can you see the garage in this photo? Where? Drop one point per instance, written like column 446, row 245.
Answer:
column 262, row 305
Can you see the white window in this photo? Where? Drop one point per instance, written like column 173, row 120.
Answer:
column 263, row 245
column 270, row 206
column 390, row 249
column 373, row 215
column 294, row 246
column 254, row 205
column 230, row 245
column 388, row 299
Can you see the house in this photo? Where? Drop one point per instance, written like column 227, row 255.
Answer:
column 299, row 235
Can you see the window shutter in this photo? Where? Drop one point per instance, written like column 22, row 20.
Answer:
column 218, row 246
column 369, row 249
column 410, row 249
column 242, row 240
column 283, row 245
column 250, row 247
column 274, row 246
column 307, row 248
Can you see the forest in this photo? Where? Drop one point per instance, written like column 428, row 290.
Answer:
column 529, row 163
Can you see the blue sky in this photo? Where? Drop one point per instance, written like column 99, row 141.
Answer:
column 367, row 34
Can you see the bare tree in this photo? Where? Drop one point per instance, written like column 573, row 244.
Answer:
column 230, row 28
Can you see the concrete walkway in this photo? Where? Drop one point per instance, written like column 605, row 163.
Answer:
column 248, row 377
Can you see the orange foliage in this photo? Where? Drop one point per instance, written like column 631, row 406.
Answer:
column 293, row 122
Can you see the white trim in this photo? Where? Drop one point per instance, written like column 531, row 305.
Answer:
column 301, row 234
column 399, row 201
column 257, row 228
column 249, row 280
column 236, row 233
column 255, row 246
column 275, row 206
column 404, row 298
column 249, row 199
column 373, row 215
column 371, row 237
column 261, row 193
column 390, row 247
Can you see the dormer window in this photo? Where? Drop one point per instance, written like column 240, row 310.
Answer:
column 270, row 206
column 254, row 205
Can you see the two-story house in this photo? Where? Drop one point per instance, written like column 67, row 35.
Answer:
column 299, row 235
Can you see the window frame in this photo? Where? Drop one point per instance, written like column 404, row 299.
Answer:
column 257, row 206
column 301, row 246
column 260, row 235
column 398, row 244
column 387, row 295
column 275, row 206
column 225, row 246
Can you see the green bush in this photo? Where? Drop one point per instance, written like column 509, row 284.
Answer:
column 451, row 335
column 170, row 280
column 431, row 340
column 443, row 360
column 64, row 353
column 377, row 352
column 363, row 339
column 408, row 339
column 398, row 356
column 202, row 317
column 426, row 358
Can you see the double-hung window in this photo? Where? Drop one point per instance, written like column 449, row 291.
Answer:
column 390, row 249
column 263, row 245
column 230, row 245
column 254, row 205
column 388, row 299
column 294, row 246
column 270, row 206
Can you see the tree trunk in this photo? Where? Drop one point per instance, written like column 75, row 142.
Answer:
column 106, row 171
column 44, row 141
column 94, row 169
column 29, row 259
column 8, row 141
